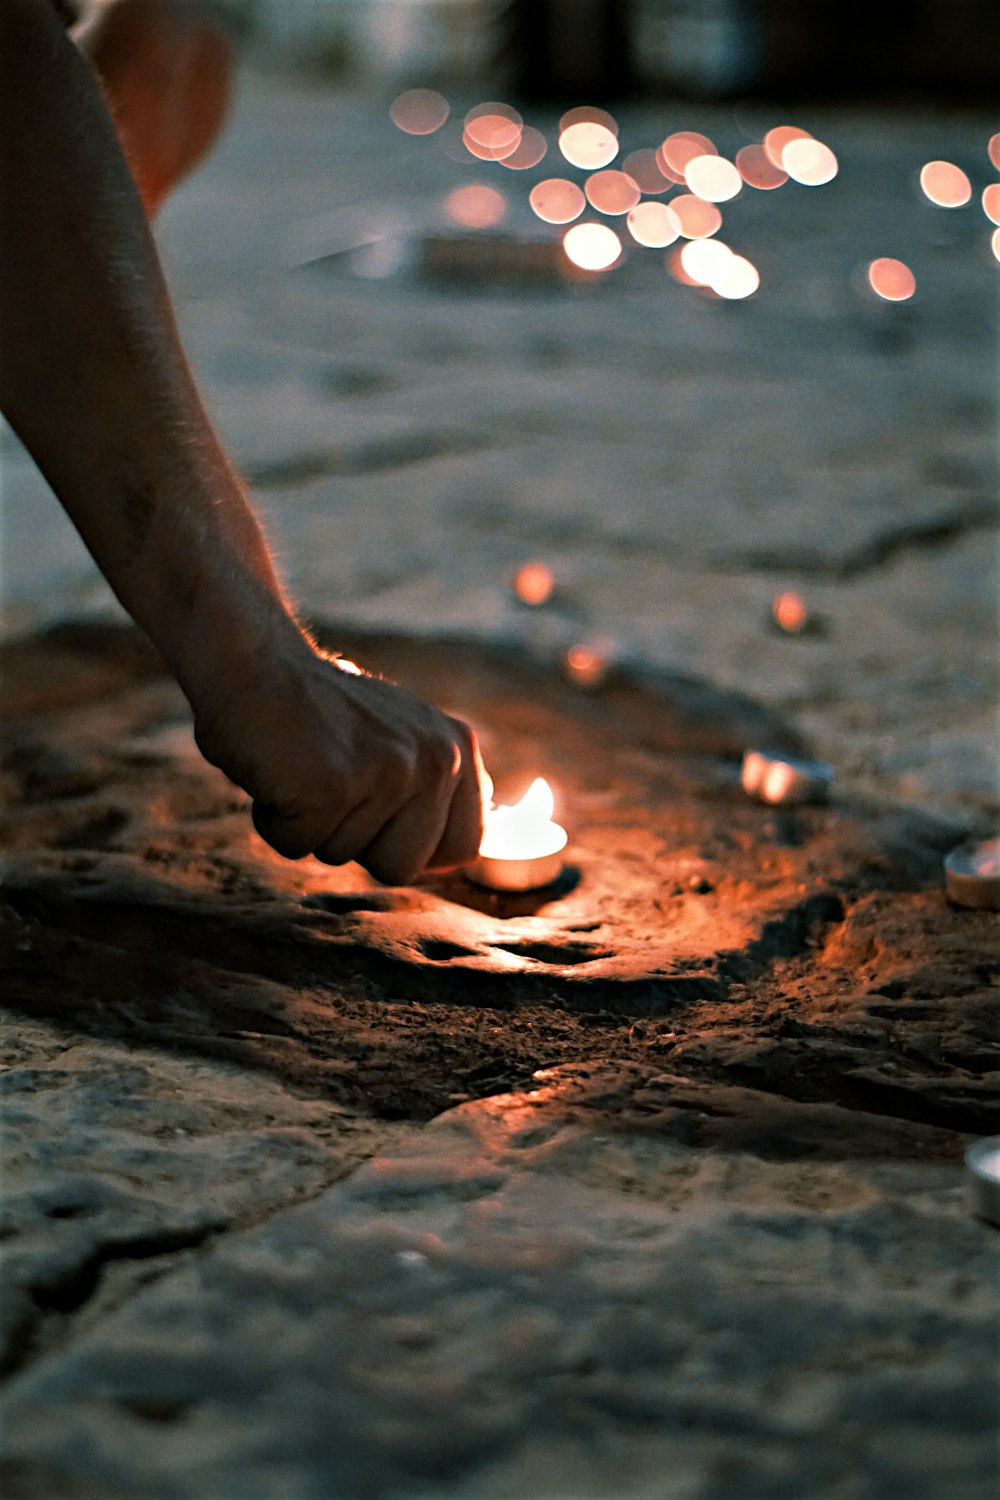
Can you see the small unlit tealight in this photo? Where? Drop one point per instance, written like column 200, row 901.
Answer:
column 982, row 1162
column 778, row 778
column 972, row 875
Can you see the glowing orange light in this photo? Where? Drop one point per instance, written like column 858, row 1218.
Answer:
column 557, row 200
column 526, row 830
column 945, row 184
column 643, row 167
column 995, row 243
column 891, row 279
column 758, row 170
column 653, row 224
column 586, row 666
column 588, row 145
column 528, row 152
column 991, row 202
column 777, row 139
column 533, row 583
column 588, row 114
column 612, row 192
column 993, row 150
column 680, row 148
column 809, row 162
column 592, row 247
column 496, row 127
column 475, row 206
column 790, row 612
column 344, row 664
column 675, row 265
column 712, row 178
column 698, row 219
column 419, row 111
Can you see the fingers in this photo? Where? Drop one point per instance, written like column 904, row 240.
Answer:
column 463, row 829
column 401, row 850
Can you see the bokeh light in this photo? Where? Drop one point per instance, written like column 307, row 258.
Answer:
column 777, row 139
column 588, row 145
column 643, row 167
column 991, row 202
column 475, row 206
column 993, row 150
column 592, row 247
column 945, row 184
column 680, row 148
column 557, row 200
column 588, row 114
column 533, row 583
column 809, row 162
column 790, row 612
column 698, row 220
column 528, row 152
column 703, row 260
column 713, row 178
column 419, row 111
column 675, row 265
column 995, row 243
column 496, row 127
column 586, row 665
column 891, row 280
column 612, row 192
column 758, row 170
column 736, row 279
column 653, row 224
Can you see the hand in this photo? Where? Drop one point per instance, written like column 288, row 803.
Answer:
column 348, row 767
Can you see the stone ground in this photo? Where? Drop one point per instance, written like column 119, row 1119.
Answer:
column 649, row 1187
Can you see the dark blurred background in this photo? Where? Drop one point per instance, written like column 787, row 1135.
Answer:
column 709, row 49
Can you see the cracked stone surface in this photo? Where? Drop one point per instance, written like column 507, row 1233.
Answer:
column 688, row 1217
column 651, row 1186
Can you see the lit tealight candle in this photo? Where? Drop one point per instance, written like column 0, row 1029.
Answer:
column 972, row 875
column 522, row 847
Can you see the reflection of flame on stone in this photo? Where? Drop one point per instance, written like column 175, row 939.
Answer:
column 588, row 146
column 758, row 170
column 945, row 184
column 419, row 111
column 533, row 583
column 592, row 247
column 557, row 200
column 612, row 192
column 653, row 224
column 809, row 162
column 475, row 206
column 712, row 178
column 891, row 280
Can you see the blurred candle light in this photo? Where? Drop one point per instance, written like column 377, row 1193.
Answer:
column 945, row 184
column 809, row 162
column 777, row 139
column 557, row 200
column 592, row 247
column 712, row 178
column 475, row 206
column 653, row 224
column 588, row 114
column 758, row 170
column 643, row 167
column 533, row 583
column 528, row 152
column 419, row 111
column 678, row 149
column 612, row 192
column 588, row 145
column 790, row 612
column 991, row 202
column 586, row 665
column 891, row 279
column 698, row 220
column 993, row 150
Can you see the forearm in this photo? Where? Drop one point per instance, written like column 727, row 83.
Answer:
column 93, row 379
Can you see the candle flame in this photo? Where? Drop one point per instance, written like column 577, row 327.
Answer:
column 526, row 830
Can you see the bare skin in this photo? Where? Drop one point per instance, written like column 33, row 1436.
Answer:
column 94, row 381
